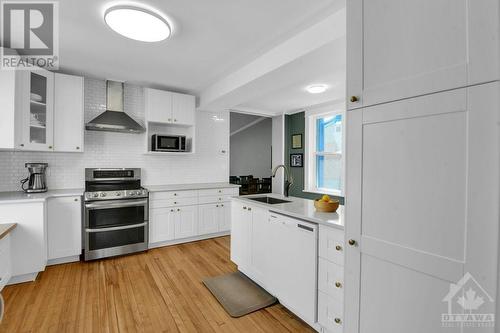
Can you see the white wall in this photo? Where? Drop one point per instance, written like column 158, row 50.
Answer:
column 251, row 150
column 278, row 152
column 106, row 149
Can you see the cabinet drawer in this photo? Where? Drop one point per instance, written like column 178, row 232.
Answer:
column 214, row 199
column 218, row 191
column 331, row 279
column 162, row 203
column 174, row 194
column 331, row 244
column 330, row 313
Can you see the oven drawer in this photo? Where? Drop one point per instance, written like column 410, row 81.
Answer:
column 174, row 194
column 98, row 239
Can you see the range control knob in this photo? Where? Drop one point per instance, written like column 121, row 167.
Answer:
column 95, row 195
column 131, row 193
column 118, row 194
column 138, row 192
column 103, row 195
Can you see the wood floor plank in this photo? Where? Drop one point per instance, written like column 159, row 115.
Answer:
column 157, row 291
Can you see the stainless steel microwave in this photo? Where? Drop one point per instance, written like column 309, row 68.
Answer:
column 168, row 143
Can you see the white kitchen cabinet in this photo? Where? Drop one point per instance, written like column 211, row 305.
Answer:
column 158, row 105
column 422, row 177
column 162, row 224
column 5, row 262
column 166, row 107
column 64, row 227
column 225, row 217
column 330, row 313
column 36, row 104
column 404, row 48
column 68, row 113
column 260, row 247
column 186, row 222
column 27, row 240
column 241, row 222
column 209, row 215
column 183, row 109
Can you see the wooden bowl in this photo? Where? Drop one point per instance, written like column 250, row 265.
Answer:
column 327, row 207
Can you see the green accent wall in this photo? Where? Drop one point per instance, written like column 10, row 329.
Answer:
column 295, row 124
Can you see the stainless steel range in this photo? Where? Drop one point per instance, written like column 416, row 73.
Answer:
column 116, row 213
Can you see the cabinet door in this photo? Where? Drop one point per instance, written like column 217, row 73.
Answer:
column 186, row 222
column 68, row 113
column 162, row 224
column 64, row 227
column 5, row 267
column 183, row 109
column 241, row 221
column 37, row 107
column 260, row 246
column 224, row 217
column 404, row 48
column 422, row 188
column 158, row 105
column 209, row 218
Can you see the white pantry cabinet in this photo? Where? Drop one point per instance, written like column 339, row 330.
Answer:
column 64, row 227
column 169, row 108
column 68, row 113
column 422, row 208
column 405, row 48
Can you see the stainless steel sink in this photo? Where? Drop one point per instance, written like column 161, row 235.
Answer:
column 269, row 200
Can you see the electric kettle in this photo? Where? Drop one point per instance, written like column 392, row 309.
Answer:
column 36, row 178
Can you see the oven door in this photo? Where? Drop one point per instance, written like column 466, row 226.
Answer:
column 115, row 227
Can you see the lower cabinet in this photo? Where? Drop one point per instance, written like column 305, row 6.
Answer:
column 330, row 313
column 186, row 222
column 162, row 225
column 209, row 218
column 5, row 265
column 64, row 227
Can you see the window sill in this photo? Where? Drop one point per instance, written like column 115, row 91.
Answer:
column 331, row 192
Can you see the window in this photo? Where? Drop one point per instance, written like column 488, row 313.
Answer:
column 325, row 163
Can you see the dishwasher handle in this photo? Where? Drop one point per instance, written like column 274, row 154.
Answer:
column 305, row 227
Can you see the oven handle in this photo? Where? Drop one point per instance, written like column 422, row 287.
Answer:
column 117, row 228
column 115, row 204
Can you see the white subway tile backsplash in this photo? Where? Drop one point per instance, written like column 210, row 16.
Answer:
column 107, row 149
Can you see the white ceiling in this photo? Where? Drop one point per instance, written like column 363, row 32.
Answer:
column 211, row 39
column 326, row 65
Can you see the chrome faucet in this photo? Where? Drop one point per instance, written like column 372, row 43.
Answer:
column 288, row 180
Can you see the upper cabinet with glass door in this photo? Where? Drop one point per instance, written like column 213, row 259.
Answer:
column 37, row 107
column 398, row 49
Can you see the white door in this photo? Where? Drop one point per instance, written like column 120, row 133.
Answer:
column 158, row 105
column 36, row 97
column 422, row 209
column 224, row 217
column 64, row 227
column 68, row 113
column 404, row 48
column 162, row 225
column 183, row 109
column 241, row 222
column 186, row 222
column 209, row 218
column 260, row 247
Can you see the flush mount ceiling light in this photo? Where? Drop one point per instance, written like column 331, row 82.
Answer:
column 317, row 88
column 137, row 23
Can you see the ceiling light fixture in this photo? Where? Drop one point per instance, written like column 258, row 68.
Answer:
column 317, row 88
column 138, row 23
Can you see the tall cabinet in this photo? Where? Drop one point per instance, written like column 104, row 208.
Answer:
column 422, row 163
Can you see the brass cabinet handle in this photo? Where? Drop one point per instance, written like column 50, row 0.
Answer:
column 175, row 120
column 77, row 148
column 244, row 208
column 338, row 284
column 352, row 242
column 50, row 147
column 249, row 208
column 354, row 99
column 178, row 209
column 216, row 205
column 169, row 119
column 338, row 248
column 172, row 210
column 337, row 320
column 22, row 144
column 76, row 199
column 222, row 205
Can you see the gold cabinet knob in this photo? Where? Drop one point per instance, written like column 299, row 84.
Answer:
column 50, row 147
column 172, row 210
column 354, row 99
column 338, row 248
column 77, row 148
column 337, row 320
column 217, row 206
column 22, row 144
column 352, row 242
column 222, row 205
column 178, row 209
column 338, row 284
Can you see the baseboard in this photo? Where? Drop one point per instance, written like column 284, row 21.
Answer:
column 23, row 278
column 63, row 260
column 189, row 239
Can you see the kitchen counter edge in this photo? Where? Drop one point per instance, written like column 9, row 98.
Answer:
column 5, row 228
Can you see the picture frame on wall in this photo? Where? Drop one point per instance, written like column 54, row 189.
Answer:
column 296, row 160
column 297, row 141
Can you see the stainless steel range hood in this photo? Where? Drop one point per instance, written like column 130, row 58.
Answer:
column 114, row 119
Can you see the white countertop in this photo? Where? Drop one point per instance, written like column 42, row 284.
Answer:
column 19, row 196
column 299, row 208
column 182, row 187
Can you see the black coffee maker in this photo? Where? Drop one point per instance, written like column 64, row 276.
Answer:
column 36, row 179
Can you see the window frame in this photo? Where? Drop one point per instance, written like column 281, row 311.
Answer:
column 310, row 162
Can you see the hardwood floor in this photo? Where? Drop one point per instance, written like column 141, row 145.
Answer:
column 157, row 291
